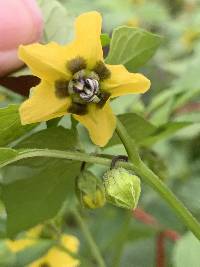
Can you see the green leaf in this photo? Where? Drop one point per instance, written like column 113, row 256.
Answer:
column 7, row 154
column 51, row 138
column 144, row 132
column 25, row 256
column 7, row 258
column 137, row 127
column 11, row 127
column 57, row 21
column 186, row 251
column 32, row 253
column 105, row 39
column 132, row 47
column 134, row 252
column 162, row 114
column 127, row 104
column 156, row 163
column 188, row 192
column 36, row 194
column 34, row 189
column 2, row 228
column 164, row 131
column 163, row 97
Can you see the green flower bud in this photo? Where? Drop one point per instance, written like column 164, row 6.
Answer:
column 90, row 190
column 122, row 188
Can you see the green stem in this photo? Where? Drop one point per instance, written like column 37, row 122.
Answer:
column 155, row 182
column 69, row 155
column 93, row 246
column 121, row 239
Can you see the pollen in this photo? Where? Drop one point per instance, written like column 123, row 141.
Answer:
column 76, row 64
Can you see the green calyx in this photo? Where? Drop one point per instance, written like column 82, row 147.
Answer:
column 122, row 188
column 90, row 190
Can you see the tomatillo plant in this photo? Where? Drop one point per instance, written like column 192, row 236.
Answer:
column 47, row 170
column 74, row 79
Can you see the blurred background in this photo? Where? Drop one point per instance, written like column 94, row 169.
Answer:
column 151, row 235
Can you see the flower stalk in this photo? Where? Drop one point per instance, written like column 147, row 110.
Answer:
column 155, row 182
column 88, row 237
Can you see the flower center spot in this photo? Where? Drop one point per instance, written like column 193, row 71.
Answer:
column 45, row 264
column 76, row 65
column 84, row 87
column 61, row 88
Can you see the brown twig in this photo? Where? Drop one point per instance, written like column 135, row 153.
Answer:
column 163, row 233
column 160, row 250
column 148, row 219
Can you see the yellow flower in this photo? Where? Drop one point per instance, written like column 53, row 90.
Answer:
column 20, row 244
column 55, row 256
column 35, row 231
column 75, row 80
column 29, row 239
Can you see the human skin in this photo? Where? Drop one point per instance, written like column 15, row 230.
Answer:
column 21, row 23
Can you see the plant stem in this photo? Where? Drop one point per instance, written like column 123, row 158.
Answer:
column 69, row 155
column 153, row 180
column 88, row 237
column 121, row 239
column 160, row 250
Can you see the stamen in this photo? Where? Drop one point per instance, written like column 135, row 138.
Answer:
column 78, row 86
column 95, row 99
column 76, row 64
column 61, row 88
column 102, row 71
column 84, row 88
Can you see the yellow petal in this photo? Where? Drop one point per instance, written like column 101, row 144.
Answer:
column 87, row 40
column 49, row 61
column 45, row 61
column 38, row 262
column 70, row 242
column 123, row 82
column 56, row 257
column 59, row 258
column 100, row 123
column 43, row 105
column 34, row 232
column 20, row 244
